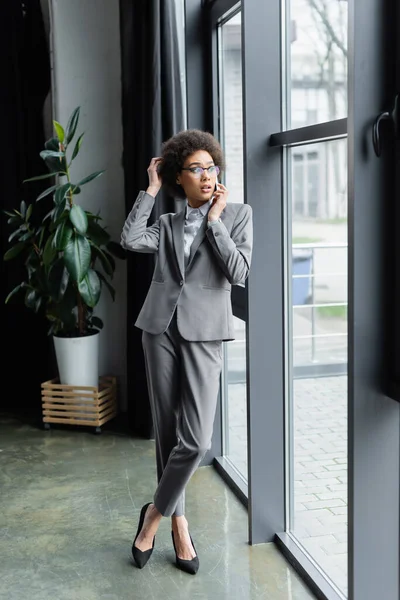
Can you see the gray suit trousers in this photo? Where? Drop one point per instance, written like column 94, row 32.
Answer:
column 183, row 381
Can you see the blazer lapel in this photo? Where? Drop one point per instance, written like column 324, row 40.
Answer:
column 178, row 223
column 200, row 235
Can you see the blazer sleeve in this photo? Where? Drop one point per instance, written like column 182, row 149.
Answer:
column 135, row 234
column 233, row 251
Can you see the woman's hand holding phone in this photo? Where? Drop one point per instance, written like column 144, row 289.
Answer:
column 219, row 201
column 155, row 181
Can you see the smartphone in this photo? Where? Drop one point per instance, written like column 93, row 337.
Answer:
column 216, row 187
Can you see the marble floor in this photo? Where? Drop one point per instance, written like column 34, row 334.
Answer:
column 69, row 507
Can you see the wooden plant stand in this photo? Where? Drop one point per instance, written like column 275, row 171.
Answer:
column 79, row 405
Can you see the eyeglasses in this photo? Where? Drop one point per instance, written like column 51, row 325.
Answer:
column 198, row 171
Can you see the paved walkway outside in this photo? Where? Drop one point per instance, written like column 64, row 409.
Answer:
column 320, row 467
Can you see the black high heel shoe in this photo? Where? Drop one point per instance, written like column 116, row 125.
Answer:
column 189, row 566
column 142, row 556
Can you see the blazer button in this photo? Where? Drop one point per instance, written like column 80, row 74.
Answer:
column 181, row 282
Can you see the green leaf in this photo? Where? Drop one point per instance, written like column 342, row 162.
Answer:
column 38, row 304
column 14, row 291
column 53, row 327
column 90, row 177
column 93, row 217
column 54, row 163
column 59, row 131
column 42, row 232
column 77, row 146
column 77, row 256
column 23, row 208
column 49, row 214
column 49, row 252
column 61, row 311
column 64, row 323
column 59, row 210
column 90, row 288
column 12, row 220
column 51, row 154
column 29, row 212
column 26, row 236
column 110, row 259
column 52, row 144
column 31, row 265
column 105, row 263
column 15, row 233
column 46, row 192
column 30, row 298
column 8, row 213
column 107, row 284
column 54, row 278
column 78, row 219
column 72, row 124
column 96, row 322
column 61, row 192
column 97, row 233
column 62, row 236
column 46, row 176
column 57, row 167
column 14, row 251
column 64, row 284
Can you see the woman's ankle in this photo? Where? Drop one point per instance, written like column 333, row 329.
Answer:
column 154, row 514
column 179, row 523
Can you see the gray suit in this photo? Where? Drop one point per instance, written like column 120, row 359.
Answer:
column 185, row 317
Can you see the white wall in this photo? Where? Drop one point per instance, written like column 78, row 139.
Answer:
column 86, row 72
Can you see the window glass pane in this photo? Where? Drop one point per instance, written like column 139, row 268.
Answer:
column 318, row 354
column 230, row 94
column 317, row 61
column 234, row 420
column 234, row 400
column 180, row 17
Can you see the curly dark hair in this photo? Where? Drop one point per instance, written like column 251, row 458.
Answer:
column 175, row 151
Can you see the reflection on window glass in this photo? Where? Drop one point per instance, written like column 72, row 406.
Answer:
column 317, row 61
column 234, row 409
column 180, row 19
column 234, row 400
column 230, row 92
column 318, row 337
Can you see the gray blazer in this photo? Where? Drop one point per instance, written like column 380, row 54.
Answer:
column 220, row 257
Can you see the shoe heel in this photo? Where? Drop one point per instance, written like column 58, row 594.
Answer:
column 189, row 566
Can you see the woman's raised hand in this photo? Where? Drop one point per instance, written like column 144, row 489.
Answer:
column 155, row 181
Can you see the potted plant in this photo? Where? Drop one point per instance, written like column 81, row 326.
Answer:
column 68, row 257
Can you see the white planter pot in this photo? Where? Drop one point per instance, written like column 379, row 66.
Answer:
column 78, row 359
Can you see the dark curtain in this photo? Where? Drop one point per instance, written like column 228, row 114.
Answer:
column 152, row 112
column 25, row 83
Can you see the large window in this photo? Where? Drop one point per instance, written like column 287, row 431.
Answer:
column 316, row 221
column 317, row 36
column 230, row 103
column 234, row 411
column 296, row 87
column 234, row 405
column 317, row 336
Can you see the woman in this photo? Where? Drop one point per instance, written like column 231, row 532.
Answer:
column 201, row 251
